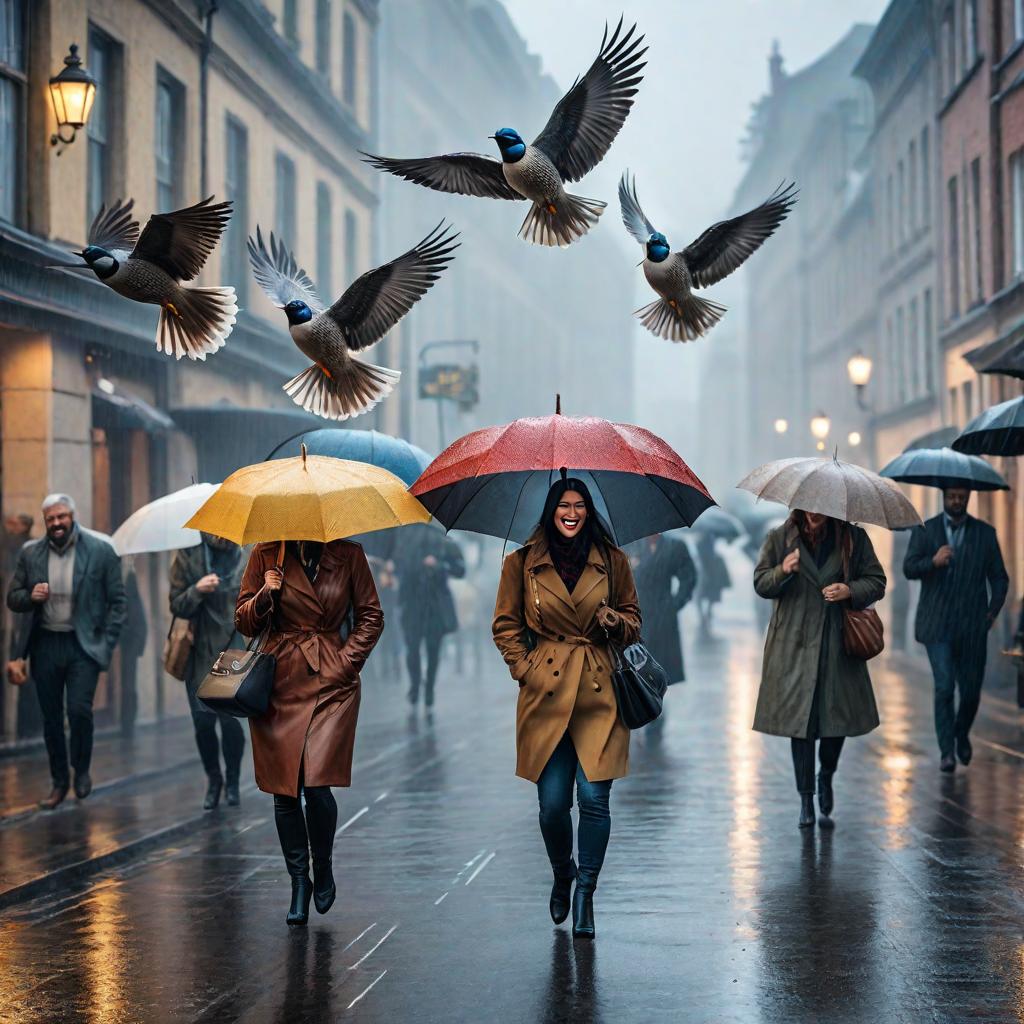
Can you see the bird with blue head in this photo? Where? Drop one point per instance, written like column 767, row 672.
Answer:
column 579, row 132
column 679, row 315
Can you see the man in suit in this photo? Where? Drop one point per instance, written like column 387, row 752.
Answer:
column 70, row 581
column 963, row 586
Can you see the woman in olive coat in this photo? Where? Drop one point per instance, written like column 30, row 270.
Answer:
column 811, row 689
column 553, row 617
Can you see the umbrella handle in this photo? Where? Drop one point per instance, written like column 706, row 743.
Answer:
column 280, row 558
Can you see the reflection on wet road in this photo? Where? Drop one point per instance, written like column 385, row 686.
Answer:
column 712, row 905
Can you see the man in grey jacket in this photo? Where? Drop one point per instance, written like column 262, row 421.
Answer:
column 70, row 580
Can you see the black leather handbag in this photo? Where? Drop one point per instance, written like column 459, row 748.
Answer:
column 240, row 682
column 638, row 680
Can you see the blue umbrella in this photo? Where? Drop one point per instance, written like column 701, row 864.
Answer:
column 997, row 431
column 394, row 454
column 943, row 467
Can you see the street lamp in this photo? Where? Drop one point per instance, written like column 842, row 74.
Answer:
column 781, row 426
column 853, row 439
column 820, row 426
column 858, row 368
column 72, row 93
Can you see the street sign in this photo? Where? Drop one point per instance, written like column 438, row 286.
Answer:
column 451, row 380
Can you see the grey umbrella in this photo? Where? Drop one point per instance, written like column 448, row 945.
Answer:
column 997, row 431
column 833, row 488
column 943, row 467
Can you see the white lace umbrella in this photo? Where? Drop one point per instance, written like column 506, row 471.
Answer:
column 833, row 488
column 158, row 525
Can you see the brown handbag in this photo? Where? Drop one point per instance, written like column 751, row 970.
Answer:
column 178, row 647
column 863, row 634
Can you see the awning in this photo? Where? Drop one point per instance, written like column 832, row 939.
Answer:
column 940, row 437
column 127, row 411
column 228, row 436
column 1004, row 355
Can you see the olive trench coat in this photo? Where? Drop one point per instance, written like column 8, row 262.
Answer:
column 311, row 721
column 558, row 653
column 804, row 647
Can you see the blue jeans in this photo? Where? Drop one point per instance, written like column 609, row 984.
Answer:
column 956, row 663
column 554, row 791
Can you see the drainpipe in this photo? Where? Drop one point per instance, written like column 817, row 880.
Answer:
column 204, row 88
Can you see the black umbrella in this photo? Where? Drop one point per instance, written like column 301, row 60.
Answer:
column 997, row 431
column 717, row 521
column 943, row 467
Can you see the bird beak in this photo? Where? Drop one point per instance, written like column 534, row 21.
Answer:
column 492, row 136
column 641, row 263
column 70, row 266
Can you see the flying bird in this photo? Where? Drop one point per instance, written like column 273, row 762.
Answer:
column 152, row 268
column 338, row 385
column 679, row 315
column 575, row 139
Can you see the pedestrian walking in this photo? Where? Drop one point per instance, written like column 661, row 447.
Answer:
column 204, row 585
column 553, row 619
column 425, row 560
column 714, row 579
column 812, row 690
column 320, row 616
column 70, row 580
column 963, row 586
column 665, row 577
column 132, row 645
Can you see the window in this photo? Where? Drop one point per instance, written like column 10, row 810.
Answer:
column 1018, row 19
column 913, row 213
column 901, row 200
column 169, row 135
column 929, row 350
column 890, row 363
column 968, row 400
column 348, row 59
column 234, row 269
column 901, row 357
column 102, row 63
column 324, row 269
column 1017, row 212
column 13, row 81
column 954, row 248
column 970, row 17
column 914, row 351
column 323, row 37
column 290, row 21
column 974, row 262
column 926, row 179
column 948, row 55
column 284, row 200
column 351, row 248
column 890, row 212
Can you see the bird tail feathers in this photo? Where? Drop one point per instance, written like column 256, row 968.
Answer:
column 197, row 323
column 681, row 319
column 353, row 390
column 562, row 222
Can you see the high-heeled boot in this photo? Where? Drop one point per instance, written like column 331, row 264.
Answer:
column 807, row 818
column 583, row 913
column 826, row 799
column 291, row 830
column 321, row 824
column 561, row 894
column 213, row 787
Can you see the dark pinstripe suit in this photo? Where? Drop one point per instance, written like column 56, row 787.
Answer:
column 958, row 604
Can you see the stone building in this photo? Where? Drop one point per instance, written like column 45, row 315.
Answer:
column 263, row 103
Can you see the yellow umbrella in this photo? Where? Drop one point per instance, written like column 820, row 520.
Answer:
column 311, row 497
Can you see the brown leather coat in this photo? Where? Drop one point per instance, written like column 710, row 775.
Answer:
column 565, row 681
column 311, row 721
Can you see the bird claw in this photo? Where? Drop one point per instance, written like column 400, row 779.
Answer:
column 173, row 309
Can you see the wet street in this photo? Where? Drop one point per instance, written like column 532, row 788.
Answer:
column 712, row 907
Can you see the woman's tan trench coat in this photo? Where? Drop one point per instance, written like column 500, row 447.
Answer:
column 804, row 645
column 565, row 681
column 311, row 721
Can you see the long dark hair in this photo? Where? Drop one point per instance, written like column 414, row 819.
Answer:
column 595, row 529
column 840, row 530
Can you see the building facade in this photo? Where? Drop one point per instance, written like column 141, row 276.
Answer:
column 266, row 104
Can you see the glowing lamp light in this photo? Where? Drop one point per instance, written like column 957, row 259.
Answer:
column 853, row 438
column 820, row 426
column 859, row 369
column 820, row 446
column 781, row 426
column 72, row 93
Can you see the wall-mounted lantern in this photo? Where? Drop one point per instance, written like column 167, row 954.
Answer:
column 72, row 93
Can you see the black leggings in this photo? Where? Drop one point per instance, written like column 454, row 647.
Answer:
column 829, row 748
column 315, row 832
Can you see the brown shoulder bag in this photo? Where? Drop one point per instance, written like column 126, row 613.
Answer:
column 863, row 635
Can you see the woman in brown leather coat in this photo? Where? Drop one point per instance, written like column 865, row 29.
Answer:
column 303, row 744
column 554, row 614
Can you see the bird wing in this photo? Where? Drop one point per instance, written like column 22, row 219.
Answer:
column 633, row 215
column 115, row 229
column 180, row 242
column 468, row 174
column 375, row 302
column 589, row 116
column 279, row 275
column 725, row 245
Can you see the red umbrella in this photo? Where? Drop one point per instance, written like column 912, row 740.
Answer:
column 494, row 481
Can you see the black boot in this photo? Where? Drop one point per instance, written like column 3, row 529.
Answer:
column 561, row 895
column 321, row 823
column 291, row 830
column 583, row 913
column 298, row 912
column 231, row 794
column 213, row 788
column 324, row 889
column 807, row 818
column 826, row 799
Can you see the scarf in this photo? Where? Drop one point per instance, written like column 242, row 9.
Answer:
column 569, row 556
